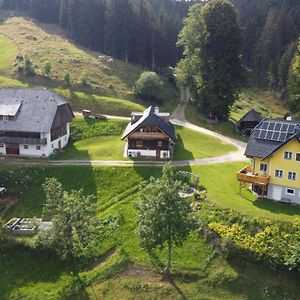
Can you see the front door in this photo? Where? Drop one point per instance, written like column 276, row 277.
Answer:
column 276, row 194
column 12, row 149
column 157, row 153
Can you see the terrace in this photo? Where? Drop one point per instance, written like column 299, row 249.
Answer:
column 246, row 175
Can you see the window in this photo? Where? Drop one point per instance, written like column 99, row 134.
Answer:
column 278, row 173
column 298, row 156
column 290, row 191
column 263, row 167
column 288, row 155
column 25, row 146
column 139, row 143
column 38, row 147
column 292, row 175
column 159, row 143
column 1, row 145
column 52, row 146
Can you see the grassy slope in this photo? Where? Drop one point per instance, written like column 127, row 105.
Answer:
column 190, row 144
column 268, row 103
column 198, row 273
column 43, row 43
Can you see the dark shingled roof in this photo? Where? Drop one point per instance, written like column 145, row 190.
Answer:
column 40, row 110
column 261, row 144
column 150, row 118
column 251, row 116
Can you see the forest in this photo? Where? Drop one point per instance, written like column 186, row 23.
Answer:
column 146, row 32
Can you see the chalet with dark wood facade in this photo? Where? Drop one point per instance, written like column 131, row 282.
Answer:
column 150, row 134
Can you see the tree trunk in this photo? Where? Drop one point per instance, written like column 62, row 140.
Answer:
column 168, row 267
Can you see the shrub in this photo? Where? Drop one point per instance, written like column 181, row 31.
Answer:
column 67, row 79
column 47, row 70
column 147, row 86
column 28, row 67
column 83, row 80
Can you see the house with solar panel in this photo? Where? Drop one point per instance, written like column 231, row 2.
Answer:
column 33, row 122
column 274, row 150
column 150, row 134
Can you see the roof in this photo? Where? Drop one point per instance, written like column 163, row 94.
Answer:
column 271, row 134
column 39, row 110
column 251, row 116
column 150, row 118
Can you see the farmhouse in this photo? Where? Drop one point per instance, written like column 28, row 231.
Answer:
column 33, row 122
column 274, row 149
column 150, row 134
column 248, row 122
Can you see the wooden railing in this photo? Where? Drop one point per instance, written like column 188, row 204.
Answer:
column 25, row 141
column 152, row 135
column 246, row 175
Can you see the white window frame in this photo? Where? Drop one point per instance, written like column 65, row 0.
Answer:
column 291, row 194
column 265, row 168
column 26, row 147
column 1, row 145
column 280, row 172
column 294, row 177
column 38, row 147
column 288, row 155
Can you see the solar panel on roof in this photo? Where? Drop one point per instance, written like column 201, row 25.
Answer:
column 265, row 125
column 284, row 127
column 282, row 137
column 291, row 128
column 269, row 135
column 262, row 134
column 275, row 136
column 277, row 126
column 271, row 126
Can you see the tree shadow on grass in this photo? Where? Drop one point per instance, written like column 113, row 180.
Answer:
column 257, row 281
column 181, row 153
column 277, row 207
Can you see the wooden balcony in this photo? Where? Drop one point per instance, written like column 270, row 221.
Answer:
column 148, row 135
column 25, row 141
column 246, row 175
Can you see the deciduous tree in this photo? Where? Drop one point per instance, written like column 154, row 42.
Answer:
column 164, row 217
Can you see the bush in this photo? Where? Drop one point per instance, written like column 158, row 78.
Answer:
column 47, row 70
column 147, row 86
column 67, row 79
column 28, row 67
column 83, row 80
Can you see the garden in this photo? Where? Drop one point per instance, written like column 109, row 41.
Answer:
column 121, row 267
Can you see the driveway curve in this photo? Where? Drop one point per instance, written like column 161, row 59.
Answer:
column 177, row 118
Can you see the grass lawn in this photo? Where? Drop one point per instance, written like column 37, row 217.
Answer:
column 109, row 146
column 130, row 272
column 223, row 190
column 191, row 144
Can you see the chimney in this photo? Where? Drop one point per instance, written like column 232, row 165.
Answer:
column 156, row 110
column 289, row 118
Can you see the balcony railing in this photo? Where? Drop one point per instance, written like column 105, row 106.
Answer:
column 25, row 141
column 246, row 175
column 147, row 135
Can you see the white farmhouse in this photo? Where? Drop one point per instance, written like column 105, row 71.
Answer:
column 33, row 122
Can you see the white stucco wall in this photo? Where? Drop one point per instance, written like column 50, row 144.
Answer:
column 45, row 150
column 148, row 153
